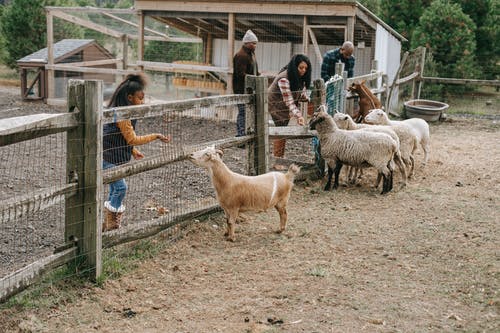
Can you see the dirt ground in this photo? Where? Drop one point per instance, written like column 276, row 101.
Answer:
column 425, row 258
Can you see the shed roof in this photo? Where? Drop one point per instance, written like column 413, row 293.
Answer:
column 285, row 18
column 62, row 49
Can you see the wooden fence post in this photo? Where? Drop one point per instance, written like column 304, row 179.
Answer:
column 84, row 165
column 421, row 71
column 258, row 86
column 318, row 93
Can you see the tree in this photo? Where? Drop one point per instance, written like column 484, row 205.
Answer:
column 449, row 34
column 403, row 15
column 488, row 43
column 483, row 13
column 372, row 5
column 23, row 28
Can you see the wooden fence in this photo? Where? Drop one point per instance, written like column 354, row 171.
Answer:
column 83, row 191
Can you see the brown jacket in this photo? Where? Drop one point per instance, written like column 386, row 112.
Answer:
column 276, row 106
column 244, row 63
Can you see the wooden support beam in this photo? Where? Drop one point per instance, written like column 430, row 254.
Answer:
column 319, row 56
column 140, row 33
column 305, row 36
column 50, row 56
column 92, row 70
column 350, row 29
column 86, row 23
column 230, row 50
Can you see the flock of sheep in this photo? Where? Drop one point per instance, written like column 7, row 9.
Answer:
column 380, row 143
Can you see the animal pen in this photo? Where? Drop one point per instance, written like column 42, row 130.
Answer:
column 53, row 185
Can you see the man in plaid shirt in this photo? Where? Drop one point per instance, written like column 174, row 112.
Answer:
column 342, row 54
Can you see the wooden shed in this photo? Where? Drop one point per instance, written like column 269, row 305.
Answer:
column 283, row 27
column 75, row 52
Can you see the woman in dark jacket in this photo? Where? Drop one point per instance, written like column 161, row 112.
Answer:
column 284, row 94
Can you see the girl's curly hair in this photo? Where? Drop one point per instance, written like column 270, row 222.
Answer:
column 129, row 86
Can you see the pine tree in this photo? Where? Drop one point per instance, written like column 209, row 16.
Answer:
column 449, row 34
column 23, row 27
column 403, row 15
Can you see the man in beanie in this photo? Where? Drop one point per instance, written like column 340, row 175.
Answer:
column 244, row 62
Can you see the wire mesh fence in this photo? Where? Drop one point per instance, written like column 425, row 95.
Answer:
column 26, row 169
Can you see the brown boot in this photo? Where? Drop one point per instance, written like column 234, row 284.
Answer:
column 279, row 147
column 118, row 219
column 109, row 221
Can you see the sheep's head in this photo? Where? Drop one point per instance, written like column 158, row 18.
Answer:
column 321, row 120
column 342, row 120
column 206, row 156
column 376, row 116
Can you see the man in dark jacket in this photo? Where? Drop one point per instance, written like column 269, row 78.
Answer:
column 244, row 63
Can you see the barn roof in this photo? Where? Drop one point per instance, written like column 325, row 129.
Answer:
column 272, row 20
column 62, row 49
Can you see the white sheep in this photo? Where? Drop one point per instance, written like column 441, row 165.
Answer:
column 354, row 148
column 238, row 193
column 344, row 121
column 420, row 126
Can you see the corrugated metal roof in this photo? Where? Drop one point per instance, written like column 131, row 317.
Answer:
column 61, row 48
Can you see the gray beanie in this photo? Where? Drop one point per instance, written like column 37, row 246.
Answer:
column 249, row 37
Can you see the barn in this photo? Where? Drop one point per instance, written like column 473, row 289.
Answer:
column 284, row 28
column 72, row 52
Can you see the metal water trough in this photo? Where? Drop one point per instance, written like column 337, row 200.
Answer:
column 425, row 109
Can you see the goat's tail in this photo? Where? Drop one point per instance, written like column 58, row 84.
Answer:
column 293, row 170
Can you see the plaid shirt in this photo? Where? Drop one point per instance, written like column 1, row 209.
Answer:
column 284, row 86
column 330, row 59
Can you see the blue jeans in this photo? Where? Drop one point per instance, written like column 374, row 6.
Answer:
column 240, row 120
column 117, row 189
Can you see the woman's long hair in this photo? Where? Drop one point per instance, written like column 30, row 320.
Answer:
column 129, row 86
column 297, row 82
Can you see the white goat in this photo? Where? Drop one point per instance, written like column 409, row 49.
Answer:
column 239, row 193
column 344, row 121
column 354, row 148
column 420, row 126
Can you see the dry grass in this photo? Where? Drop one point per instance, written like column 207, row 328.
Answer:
column 421, row 259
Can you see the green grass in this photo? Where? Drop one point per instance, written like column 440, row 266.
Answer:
column 318, row 271
column 7, row 73
column 69, row 282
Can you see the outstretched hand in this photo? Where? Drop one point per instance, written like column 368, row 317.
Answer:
column 300, row 121
column 164, row 138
